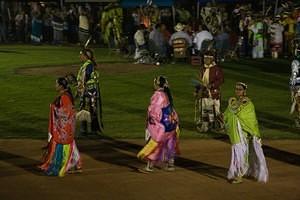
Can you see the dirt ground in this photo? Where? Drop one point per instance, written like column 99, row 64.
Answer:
column 110, row 172
column 105, row 68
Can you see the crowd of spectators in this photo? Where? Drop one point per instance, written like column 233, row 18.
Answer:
column 240, row 29
column 241, row 32
column 37, row 23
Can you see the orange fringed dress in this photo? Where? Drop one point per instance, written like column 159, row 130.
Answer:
column 62, row 154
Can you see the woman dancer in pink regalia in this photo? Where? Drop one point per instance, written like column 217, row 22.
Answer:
column 162, row 132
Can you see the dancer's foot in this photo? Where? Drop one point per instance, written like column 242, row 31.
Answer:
column 75, row 170
column 170, row 168
column 146, row 170
column 237, row 180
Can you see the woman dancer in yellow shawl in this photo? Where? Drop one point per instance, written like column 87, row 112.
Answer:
column 247, row 157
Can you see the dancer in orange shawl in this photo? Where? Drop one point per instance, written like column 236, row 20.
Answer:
column 62, row 155
column 162, row 130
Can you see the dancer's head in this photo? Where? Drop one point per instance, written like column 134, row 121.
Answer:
column 61, row 84
column 208, row 58
column 160, row 82
column 240, row 89
column 86, row 54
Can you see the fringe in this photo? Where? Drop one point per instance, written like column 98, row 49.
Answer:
column 258, row 166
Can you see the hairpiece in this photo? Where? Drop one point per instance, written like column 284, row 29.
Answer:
column 244, row 85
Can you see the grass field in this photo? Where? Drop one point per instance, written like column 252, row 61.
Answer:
column 25, row 98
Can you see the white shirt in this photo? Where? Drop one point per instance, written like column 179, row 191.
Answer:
column 139, row 38
column 200, row 37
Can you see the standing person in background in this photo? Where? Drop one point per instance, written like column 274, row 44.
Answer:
column 36, row 28
column 257, row 29
column 222, row 42
column 58, row 27
column 202, row 39
column 72, row 26
column 247, row 157
column 276, row 30
column 156, row 42
column 2, row 29
column 47, row 28
column 83, row 32
column 166, row 36
column 289, row 33
column 162, row 130
column 180, row 34
column 140, row 41
column 20, row 24
column 2, row 22
column 62, row 154
column 166, row 33
column 244, row 24
column 89, row 93
column 27, row 27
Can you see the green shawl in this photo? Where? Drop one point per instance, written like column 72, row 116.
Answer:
column 81, row 73
column 244, row 112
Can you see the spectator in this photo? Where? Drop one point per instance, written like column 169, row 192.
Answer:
column 58, row 27
column 156, row 41
column 180, row 34
column 72, row 26
column 139, row 39
column 201, row 36
column 47, row 28
column 2, row 29
column 257, row 30
column 36, row 28
column 289, row 32
column 83, row 26
column 222, row 42
column 276, row 30
column 20, row 24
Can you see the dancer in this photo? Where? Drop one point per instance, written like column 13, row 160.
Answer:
column 89, row 93
column 62, row 155
column 247, row 157
column 208, row 93
column 295, row 85
column 162, row 131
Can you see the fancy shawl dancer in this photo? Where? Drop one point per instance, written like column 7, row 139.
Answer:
column 247, row 157
column 62, row 154
column 89, row 93
column 162, row 131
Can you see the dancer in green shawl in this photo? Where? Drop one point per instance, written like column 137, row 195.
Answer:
column 247, row 157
